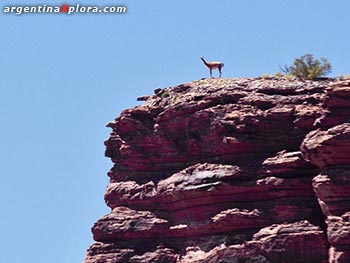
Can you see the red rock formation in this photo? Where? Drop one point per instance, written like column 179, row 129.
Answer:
column 230, row 170
column 329, row 148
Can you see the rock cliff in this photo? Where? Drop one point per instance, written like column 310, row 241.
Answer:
column 230, row 170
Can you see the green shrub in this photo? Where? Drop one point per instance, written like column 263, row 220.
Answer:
column 309, row 68
column 165, row 94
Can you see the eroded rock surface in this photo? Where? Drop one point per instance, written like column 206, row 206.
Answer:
column 230, row 170
column 329, row 148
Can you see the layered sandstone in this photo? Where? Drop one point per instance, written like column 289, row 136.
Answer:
column 329, row 148
column 230, row 170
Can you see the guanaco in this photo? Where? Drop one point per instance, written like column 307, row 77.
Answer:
column 213, row 65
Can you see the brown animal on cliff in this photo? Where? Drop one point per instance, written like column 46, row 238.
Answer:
column 213, row 65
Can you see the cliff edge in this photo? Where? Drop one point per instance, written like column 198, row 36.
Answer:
column 230, row 170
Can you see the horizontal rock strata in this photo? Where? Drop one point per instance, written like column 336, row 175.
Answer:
column 329, row 148
column 230, row 170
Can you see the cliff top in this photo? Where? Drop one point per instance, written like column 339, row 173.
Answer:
column 198, row 89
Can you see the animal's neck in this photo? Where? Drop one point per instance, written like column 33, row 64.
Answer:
column 205, row 62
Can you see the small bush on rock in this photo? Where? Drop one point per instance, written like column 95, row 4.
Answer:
column 266, row 76
column 309, row 68
column 279, row 75
column 165, row 94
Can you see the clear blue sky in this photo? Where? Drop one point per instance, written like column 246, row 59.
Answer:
column 62, row 78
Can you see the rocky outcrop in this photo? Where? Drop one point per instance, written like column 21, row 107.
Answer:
column 329, row 148
column 230, row 170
